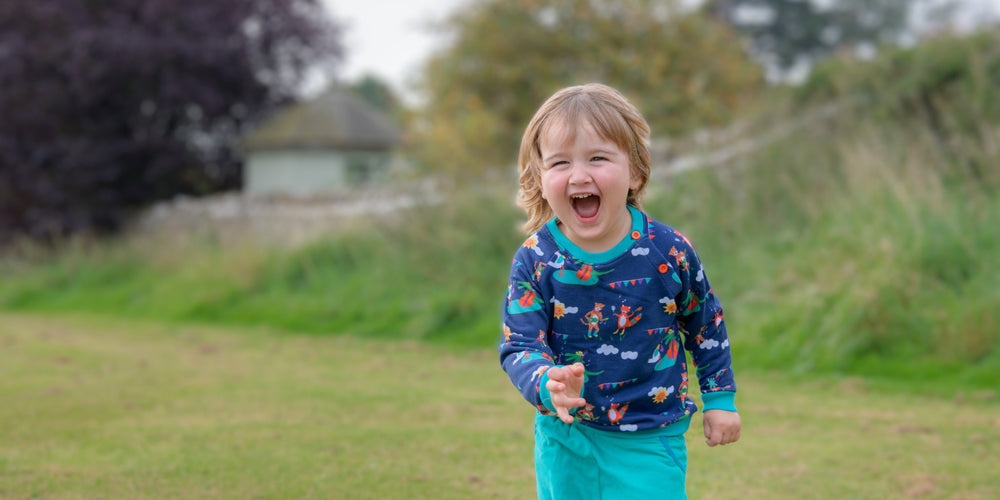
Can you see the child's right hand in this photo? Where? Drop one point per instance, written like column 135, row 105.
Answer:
column 565, row 386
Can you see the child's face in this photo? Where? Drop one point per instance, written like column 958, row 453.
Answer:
column 586, row 182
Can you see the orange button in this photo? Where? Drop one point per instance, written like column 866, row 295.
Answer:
column 636, row 235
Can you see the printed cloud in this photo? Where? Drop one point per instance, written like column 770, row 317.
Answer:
column 630, row 355
column 709, row 344
column 607, row 350
column 656, row 390
column 640, row 251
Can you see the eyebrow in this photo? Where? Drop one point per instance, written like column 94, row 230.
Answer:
column 557, row 154
column 606, row 151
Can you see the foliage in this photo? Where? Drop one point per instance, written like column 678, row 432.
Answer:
column 948, row 82
column 908, row 83
column 859, row 244
column 785, row 33
column 681, row 69
column 110, row 105
column 870, row 254
column 426, row 275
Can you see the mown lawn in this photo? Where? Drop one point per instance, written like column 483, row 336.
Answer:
column 105, row 408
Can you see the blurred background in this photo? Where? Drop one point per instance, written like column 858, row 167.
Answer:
column 258, row 248
column 335, row 167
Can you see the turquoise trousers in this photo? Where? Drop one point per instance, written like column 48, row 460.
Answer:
column 581, row 463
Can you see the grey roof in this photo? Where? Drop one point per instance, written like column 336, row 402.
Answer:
column 336, row 119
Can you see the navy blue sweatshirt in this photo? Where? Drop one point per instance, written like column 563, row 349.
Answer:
column 625, row 314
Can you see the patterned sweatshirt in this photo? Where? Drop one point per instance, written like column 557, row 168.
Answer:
column 625, row 314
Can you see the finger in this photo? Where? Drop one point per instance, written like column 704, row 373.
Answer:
column 576, row 369
column 730, row 437
column 714, row 439
column 734, row 437
column 556, row 373
column 564, row 415
column 555, row 386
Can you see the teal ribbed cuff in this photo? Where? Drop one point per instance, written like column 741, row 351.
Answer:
column 544, row 394
column 719, row 400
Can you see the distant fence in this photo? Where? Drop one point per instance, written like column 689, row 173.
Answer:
column 277, row 219
column 289, row 220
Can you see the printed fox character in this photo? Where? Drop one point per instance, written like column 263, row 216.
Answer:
column 593, row 320
column 615, row 413
column 681, row 257
column 626, row 318
column 586, row 413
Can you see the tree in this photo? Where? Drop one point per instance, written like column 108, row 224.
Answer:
column 682, row 69
column 107, row 106
column 377, row 93
column 789, row 34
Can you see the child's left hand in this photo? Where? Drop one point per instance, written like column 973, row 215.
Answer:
column 721, row 427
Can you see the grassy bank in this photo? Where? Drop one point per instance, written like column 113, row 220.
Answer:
column 864, row 242
column 437, row 273
column 102, row 408
column 871, row 254
column 874, row 253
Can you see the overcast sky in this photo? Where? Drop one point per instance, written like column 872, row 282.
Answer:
column 388, row 38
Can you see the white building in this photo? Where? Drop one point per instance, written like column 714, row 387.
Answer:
column 329, row 144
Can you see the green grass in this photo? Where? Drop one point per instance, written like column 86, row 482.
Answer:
column 862, row 244
column 879, row 257
column 874, row 253
column 436, row 274
column 101, row 408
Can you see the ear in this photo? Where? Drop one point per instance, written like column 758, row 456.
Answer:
column 634, row 181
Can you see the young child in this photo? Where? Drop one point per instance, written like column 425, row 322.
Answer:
column 601, row 298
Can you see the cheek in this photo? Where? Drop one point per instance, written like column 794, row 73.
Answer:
column 548, row 185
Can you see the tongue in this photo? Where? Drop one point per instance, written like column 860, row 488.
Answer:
column 587, row 207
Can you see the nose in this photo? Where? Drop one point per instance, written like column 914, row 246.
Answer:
column 579, row 174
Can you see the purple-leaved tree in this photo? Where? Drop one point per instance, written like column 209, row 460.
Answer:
column 108, row 105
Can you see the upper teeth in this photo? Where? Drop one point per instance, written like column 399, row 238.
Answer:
column 578, row 196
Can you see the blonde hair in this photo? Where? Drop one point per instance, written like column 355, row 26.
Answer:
column 613, row 117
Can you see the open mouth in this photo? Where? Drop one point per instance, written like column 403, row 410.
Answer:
column 586, row 206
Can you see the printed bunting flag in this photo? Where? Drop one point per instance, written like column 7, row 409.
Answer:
column 628, row 283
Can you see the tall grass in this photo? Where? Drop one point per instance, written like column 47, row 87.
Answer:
column 855, row 245
column 873, row 253
column 438, row 272
column 866, row 242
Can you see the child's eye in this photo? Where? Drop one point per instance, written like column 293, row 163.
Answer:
column 558, row 163
column 598, row 158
